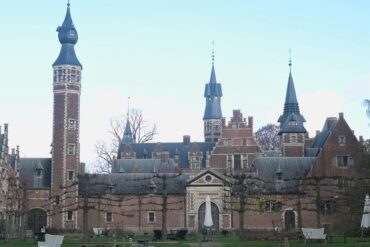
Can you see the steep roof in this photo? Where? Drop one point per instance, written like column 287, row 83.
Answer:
column 291, row 110
column 135, row 184
column 292, row 169
column 28, row 174
column 180, row 149
column 321, row 138
column 213, row 94
column 143, row 166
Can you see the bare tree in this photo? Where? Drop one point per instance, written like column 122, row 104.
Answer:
column 268, row 138
column 242, row 190
column 142, row 131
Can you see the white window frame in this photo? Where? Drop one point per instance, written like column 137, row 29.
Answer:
column 71, row 149
column 340, row 161
column 293, row 138
column 341, row 139
column 69, row 219
column 72, row 124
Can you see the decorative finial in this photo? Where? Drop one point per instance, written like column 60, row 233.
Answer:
column 290, row 58
column 128, row 106
column 68, row 4
column 213, row 52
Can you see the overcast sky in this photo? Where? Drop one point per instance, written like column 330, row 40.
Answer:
column 159, row 54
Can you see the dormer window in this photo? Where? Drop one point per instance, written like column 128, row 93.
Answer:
column 279, row 176
column 38, row 173
column 293, row 123
column 342, row 140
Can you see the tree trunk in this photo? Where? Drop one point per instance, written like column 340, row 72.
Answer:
column 164, row 208
column 85, row 219
column 318, row 203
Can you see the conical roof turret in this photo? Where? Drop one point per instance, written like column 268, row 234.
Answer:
column 291, row 121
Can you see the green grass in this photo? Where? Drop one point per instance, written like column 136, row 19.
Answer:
column 194, row 241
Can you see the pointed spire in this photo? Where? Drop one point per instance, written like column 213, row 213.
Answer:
column 213, row 94
column 127, row 134
column 291, row 107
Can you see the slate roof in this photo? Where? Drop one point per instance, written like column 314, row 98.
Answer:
column 134, row 184
column 143, row 166
column 27, row 172
column 68, row 37
column 291, row 110
column 213, row 94
column 127, row 134
column 145, row 150
column 291, row 168
column 321, row 138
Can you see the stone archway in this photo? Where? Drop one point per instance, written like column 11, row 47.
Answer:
column 289, row 220
column 215, row 216
column 37, row 218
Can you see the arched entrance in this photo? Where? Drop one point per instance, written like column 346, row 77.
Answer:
column 37, row 218
column 289, row 219
column 215, row 216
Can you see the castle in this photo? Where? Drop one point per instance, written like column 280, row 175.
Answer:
column 182, row 173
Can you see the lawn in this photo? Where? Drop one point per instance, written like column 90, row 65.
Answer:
column 217, row 241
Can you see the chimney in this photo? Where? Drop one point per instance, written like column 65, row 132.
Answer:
column 0, row 129
column 223, row 121
column 340, row 114
column 6, row 130
column 250, row 122
column 186, row 139
column 13, row 151
column 361, row 139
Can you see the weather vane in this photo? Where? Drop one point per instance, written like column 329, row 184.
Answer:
column 213, row 52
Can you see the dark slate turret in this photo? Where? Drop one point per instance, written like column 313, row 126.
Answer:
column 68, row 37
column 127, row 134
column 213, row 94
column 212, row 114
column 291, row 121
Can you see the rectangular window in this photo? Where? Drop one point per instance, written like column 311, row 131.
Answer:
column 70, row 175
column 244, row 141
column 72, row 124
column 69, row 215
column 228, row 142
column 109, row 217
column 57, row 198
column 344, row 161
column 39, row 172
column 229, row 161
column 342, row 140
column 327, row 206
column 293, row 137
column 71, row 149
column 237, row 162
column 273, row 206
column 244, row 161
column 151, row 217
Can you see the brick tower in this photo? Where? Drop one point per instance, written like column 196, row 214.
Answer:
column 212, row 114
column 66, row 122
column 292, row 131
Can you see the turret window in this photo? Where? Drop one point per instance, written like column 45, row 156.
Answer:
column 293, row 137
column 71, row 149
column 72, row 124
column 293, row 123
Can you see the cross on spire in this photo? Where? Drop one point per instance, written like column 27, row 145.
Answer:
column 68, row 3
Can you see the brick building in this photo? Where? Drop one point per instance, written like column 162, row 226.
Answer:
column 182, row 174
